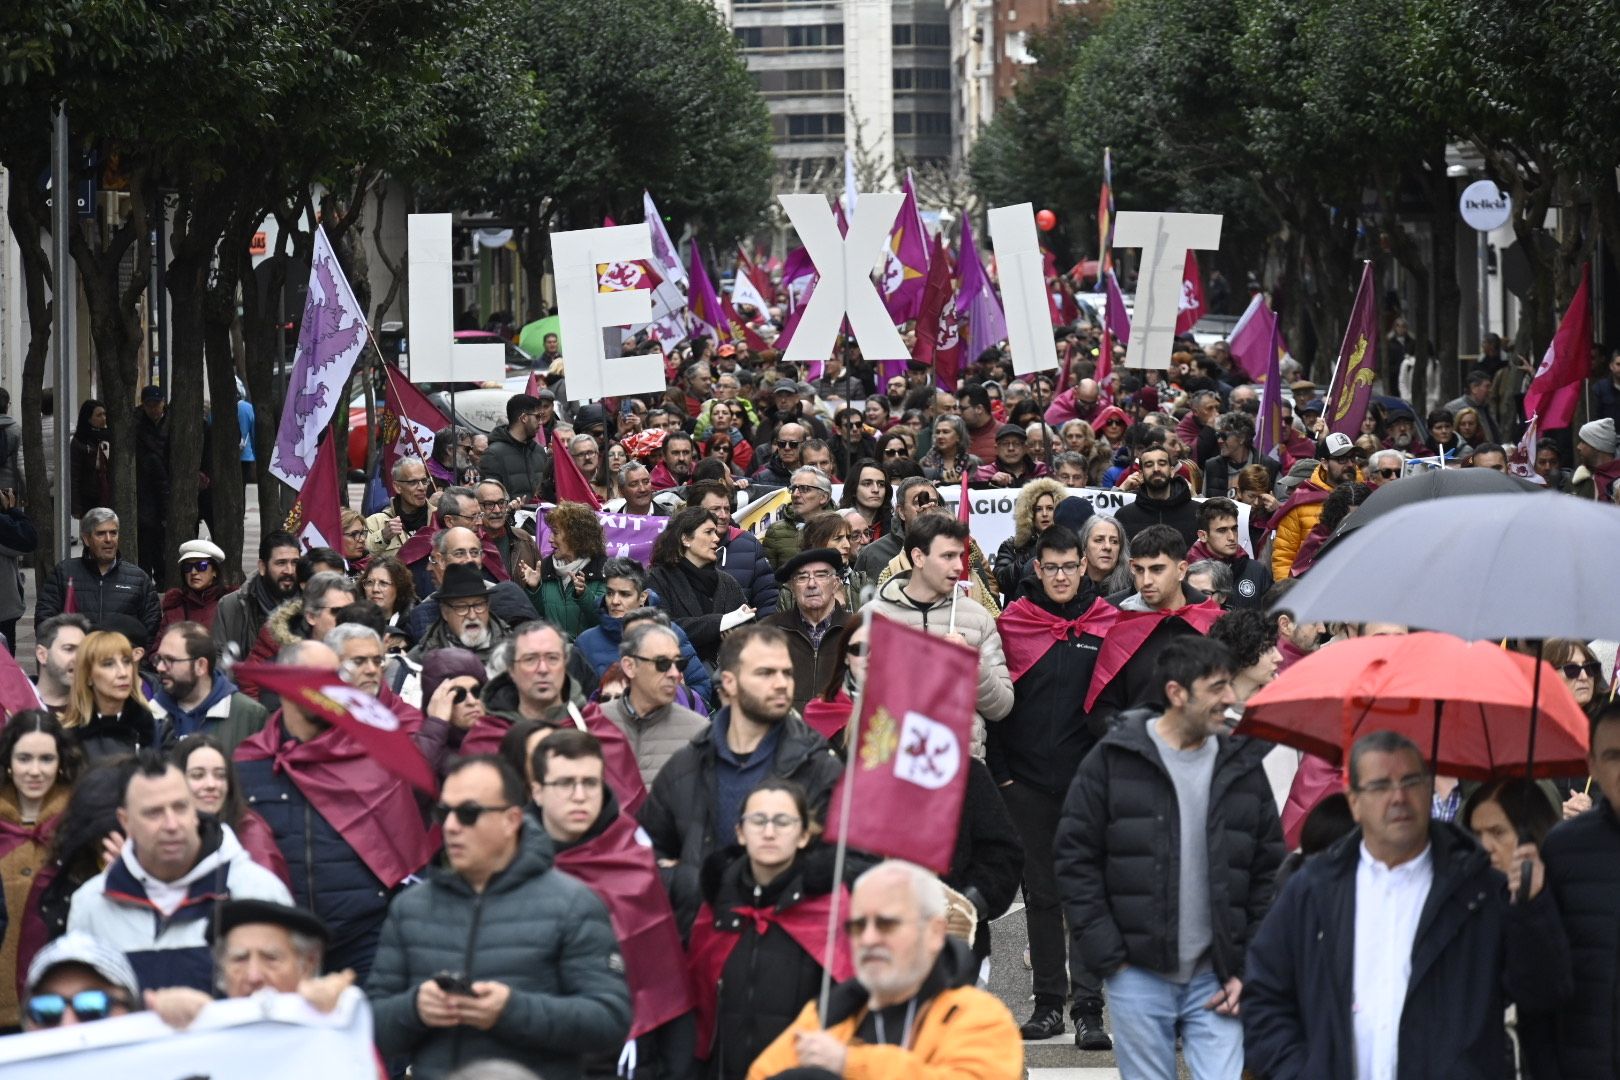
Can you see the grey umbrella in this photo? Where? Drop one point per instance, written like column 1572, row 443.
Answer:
column 1432, row 484
column 1477, row 566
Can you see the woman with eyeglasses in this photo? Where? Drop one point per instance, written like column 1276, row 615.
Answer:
column 703, row 600
column 759, row 938
column 355, row 553
column 211, row 777
column 197, row 598
column 948, row 458
column 1034, row 511
column 894, row 447
column 106, row 710
column 1582, row 672
column 389, row 584
column 867, row 489
column 39, row 762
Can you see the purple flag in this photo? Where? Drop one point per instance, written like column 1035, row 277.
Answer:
column 704, row 303
column 905, row 267
column 798, row 275
column 1115, row 316
column 1255, row 332
column 1353, row 377
column 987, row 325
column 1268, row 427
column 330, row 339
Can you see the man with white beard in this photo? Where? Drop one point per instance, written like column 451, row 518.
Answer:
column 464, row 618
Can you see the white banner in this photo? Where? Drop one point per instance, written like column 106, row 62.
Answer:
column 263, row 1037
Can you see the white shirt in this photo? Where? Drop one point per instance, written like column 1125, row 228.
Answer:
column 1388, row 905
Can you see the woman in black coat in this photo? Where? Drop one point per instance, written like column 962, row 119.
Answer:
column 701, row 599
column 759, row 938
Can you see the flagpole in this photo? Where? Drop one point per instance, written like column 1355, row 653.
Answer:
column 852, row 744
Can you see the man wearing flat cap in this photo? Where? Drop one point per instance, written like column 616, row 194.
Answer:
column 813, row 622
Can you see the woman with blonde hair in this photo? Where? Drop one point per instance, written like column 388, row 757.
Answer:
column 353, row 527
column 1034, row 511
column 106, row 711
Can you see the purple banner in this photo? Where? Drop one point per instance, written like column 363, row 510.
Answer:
column 628, row 535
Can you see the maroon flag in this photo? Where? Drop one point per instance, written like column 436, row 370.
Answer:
column 17, row 691
column 909, row 773
column 1352, row 385
column 1192, row 296
column 939, row 327
column 317, row 516
column 1550, row 401
column 572, row 486
column 618, row 866
column 409, row 420
column 356, row 713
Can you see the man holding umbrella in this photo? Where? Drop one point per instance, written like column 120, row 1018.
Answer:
column 1388, row 954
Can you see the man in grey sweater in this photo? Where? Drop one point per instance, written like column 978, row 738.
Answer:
column 646, row 712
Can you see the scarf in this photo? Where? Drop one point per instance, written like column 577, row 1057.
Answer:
column 704, row 580
column 566, row 570
column 1131, row 631
column 1029, row 630
column 371, row 808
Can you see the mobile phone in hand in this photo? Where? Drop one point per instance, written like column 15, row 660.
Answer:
column 454, row 983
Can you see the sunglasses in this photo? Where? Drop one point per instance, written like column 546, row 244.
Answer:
column 660, row 663
column 894, row 451
column 198, row 566
column 1389, row 474
column 47, row 1010
column 467, row 813
column 886, row 924
column 1591, row 669
column 787, row 444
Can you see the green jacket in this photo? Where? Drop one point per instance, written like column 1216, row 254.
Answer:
column 784, row 539
column 557, row 603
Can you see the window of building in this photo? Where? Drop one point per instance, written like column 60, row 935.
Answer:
column 902, row 123
column 922, row 78
column 926, row 35
column 815, row 37
column 750, row 37
column 811, row 127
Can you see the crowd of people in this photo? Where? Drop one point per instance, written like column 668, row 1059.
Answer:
column 623, row 871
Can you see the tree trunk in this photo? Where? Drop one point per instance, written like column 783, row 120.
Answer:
column 227, row 489
column 27, row 219
column 188, row 283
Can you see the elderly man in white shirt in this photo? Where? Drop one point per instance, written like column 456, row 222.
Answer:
column 1386, row 956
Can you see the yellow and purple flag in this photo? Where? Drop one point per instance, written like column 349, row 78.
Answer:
column 708, row 320
column 1353, row 376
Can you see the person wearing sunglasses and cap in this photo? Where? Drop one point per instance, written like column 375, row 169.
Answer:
column 77, row 979
column 494, row 955
column 197, row 597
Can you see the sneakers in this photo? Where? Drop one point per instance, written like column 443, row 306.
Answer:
column 1089, row 1033
column 1046, row 1022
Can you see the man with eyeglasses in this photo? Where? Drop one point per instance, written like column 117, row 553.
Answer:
column 464, row 619
column 517, row 452
column 787, row 407
column 647, row 712
column 198, row 699
column 1165, row 857
column 810, row 492
column 458, row 546
column 913, row 1008
column 537, row 686
column 515, row 546
column 1394, row 952
column 1384, row 467
column 814, row 622
column 786, row 448
column 155, row 900
column 350, row 831
column 494, row 955
column 77, row 979
column 1234, row 441
column 407, row 513
column 1051, row 634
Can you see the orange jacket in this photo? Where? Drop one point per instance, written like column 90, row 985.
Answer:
column 1295, row 522
column 962, row 1033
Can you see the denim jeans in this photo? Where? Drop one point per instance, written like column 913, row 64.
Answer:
column 1148, row 1009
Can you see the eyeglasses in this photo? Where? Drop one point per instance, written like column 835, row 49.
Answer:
column 787, row 444
column 47, row 1010
column 659, row 663
column 779, row 822
column 493, row 506
column 1068, row 569
column 420, row 481
column 466, row 813
column 476, row 515
column 1389, row 474
column 894, row 451
column 161, row 661
column 886, row 924
column 1591, row 669
column 590, row 785
column 804, row 489
column 356, row 534
column 1414, row 782
column 198, row 566
column 821, row 577
column 469, row 607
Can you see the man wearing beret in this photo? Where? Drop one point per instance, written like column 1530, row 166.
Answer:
column 813, row 623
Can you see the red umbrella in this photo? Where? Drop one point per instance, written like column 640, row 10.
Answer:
column 1466, row 703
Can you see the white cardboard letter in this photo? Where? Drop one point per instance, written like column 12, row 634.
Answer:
column 1023, row 288
column 1165, row 240
column 435, row 357
column 845, row 287
column 585, row 312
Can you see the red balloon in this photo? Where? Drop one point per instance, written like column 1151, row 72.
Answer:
column 1046, row 220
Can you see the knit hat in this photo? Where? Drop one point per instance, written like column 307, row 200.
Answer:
column 1600, row 435
column 1073, row 513
column 442, row 664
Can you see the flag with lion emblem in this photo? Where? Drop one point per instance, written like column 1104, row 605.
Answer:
column 914, row 738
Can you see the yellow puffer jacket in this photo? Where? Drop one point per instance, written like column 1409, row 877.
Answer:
column 1297, row 523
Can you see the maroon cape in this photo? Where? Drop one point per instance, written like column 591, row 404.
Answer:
column 663, row 479
column 419, row 545
column 369, row 806
column 829, row 717
column 619, row 867
column 33, row 934
column 1131, row 629
column 623, row 774
column 1029, row 630
column 1309, row 548
column 804, row 922
column 259, row 841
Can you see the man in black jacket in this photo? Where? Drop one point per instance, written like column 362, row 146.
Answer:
column 102, row 583
column 1051, row 634
column 1583, row 875
column 1388, row 954
column 1163, row 498
column 697, row 799
column 1166, row 854
column 242, row 614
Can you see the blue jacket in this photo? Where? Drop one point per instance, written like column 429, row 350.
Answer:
column 743, row 557
column 328, row 876
column 600, row 646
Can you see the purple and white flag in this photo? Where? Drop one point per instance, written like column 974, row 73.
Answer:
column 987, row 324
column 330, row 339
